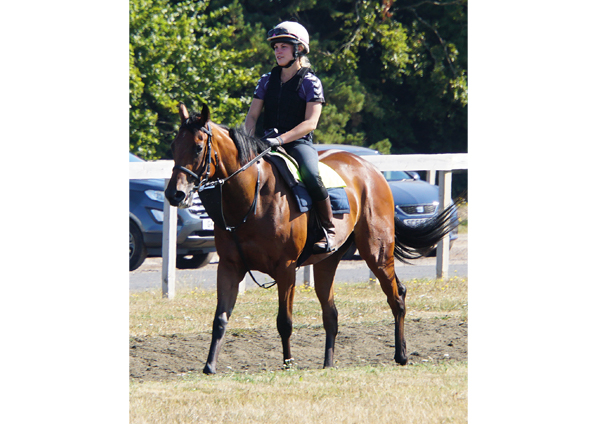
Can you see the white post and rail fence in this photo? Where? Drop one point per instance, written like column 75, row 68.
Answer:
column 444, row 164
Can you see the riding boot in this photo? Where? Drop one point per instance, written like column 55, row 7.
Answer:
column 324, row 211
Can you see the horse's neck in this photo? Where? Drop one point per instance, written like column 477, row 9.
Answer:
column 238, row 194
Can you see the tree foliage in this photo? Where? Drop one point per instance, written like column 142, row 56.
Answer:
column 394, row 72
column 183, row 52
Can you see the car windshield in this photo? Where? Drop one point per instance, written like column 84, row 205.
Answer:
column 133, row 158
column 396, row 175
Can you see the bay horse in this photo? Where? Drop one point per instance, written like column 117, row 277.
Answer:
column 270, row 232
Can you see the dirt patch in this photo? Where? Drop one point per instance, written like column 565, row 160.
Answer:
column 169, row 357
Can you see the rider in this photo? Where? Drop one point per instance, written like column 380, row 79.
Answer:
column 292, row 98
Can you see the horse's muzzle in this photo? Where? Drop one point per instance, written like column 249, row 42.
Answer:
column 175, row 197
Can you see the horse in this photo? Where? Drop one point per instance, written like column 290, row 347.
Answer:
column 269, row 233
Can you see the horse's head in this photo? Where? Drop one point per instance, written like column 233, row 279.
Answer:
column 192, row 151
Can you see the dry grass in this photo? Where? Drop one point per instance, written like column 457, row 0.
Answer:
column 192, row 311
column 411, row 394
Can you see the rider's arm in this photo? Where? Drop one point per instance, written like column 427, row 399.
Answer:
column 253, row 115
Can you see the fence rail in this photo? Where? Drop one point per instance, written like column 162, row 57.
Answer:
column 444, row 164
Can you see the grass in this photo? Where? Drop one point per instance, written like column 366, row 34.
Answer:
column 413, row 394
column 192, row 311
column 416, row 393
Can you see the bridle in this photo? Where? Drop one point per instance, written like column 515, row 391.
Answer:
column 199, row 182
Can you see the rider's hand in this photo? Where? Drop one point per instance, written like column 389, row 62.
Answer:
column 274, row 141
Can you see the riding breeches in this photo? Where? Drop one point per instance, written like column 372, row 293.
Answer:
column 308, row 159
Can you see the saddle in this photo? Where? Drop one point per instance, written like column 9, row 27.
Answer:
column 288, row 169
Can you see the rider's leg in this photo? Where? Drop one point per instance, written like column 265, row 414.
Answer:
column 307, row 158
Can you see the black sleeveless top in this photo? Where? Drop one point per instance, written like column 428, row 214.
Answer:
column 284, row 109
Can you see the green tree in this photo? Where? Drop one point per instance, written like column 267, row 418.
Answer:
column 410, row 62
column 183, row 52
column 394, row 72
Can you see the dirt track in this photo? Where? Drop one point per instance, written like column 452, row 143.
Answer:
column 168, row 357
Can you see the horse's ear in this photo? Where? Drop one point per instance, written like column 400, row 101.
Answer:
column 183, row 112
column 205, row 113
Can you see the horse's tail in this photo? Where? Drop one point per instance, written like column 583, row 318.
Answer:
column 413, row 242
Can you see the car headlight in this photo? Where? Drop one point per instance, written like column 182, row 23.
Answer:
column 156, row 195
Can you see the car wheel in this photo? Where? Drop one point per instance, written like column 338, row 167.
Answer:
column 137, row 250
column 193, row 261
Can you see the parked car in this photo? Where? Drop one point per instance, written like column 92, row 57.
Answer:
column 195, row 230
column 415, row 200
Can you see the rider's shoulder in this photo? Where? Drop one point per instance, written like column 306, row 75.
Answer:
column 266, row 76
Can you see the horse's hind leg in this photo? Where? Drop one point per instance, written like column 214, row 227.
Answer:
column 396, row 294
column 323, row 274
column 378, row 253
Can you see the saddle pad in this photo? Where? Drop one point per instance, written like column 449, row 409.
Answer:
column 338, row 199
column 329, row 177
column 338, row 196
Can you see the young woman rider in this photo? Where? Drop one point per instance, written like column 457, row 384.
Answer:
column 291, row 97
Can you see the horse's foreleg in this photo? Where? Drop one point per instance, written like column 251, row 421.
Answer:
column 284, row 320
column 323, row 274
column 227, row 294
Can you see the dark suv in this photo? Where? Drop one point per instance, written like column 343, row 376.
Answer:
column 195, row 230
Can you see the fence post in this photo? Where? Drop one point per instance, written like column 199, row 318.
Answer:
column 169, row 249
column 308, row 276
column 443, row 247
column 242, row 286
column 431, row 176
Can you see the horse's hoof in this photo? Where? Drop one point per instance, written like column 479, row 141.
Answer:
column 288, row 364
column 209, row 370
column 401, row 360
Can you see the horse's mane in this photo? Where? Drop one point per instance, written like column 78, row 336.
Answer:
column 247, row 146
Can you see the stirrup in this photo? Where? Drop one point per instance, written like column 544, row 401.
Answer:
column 325, row 249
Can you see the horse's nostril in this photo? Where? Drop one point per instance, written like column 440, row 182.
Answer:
column 179, row 196
column 175, row 196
